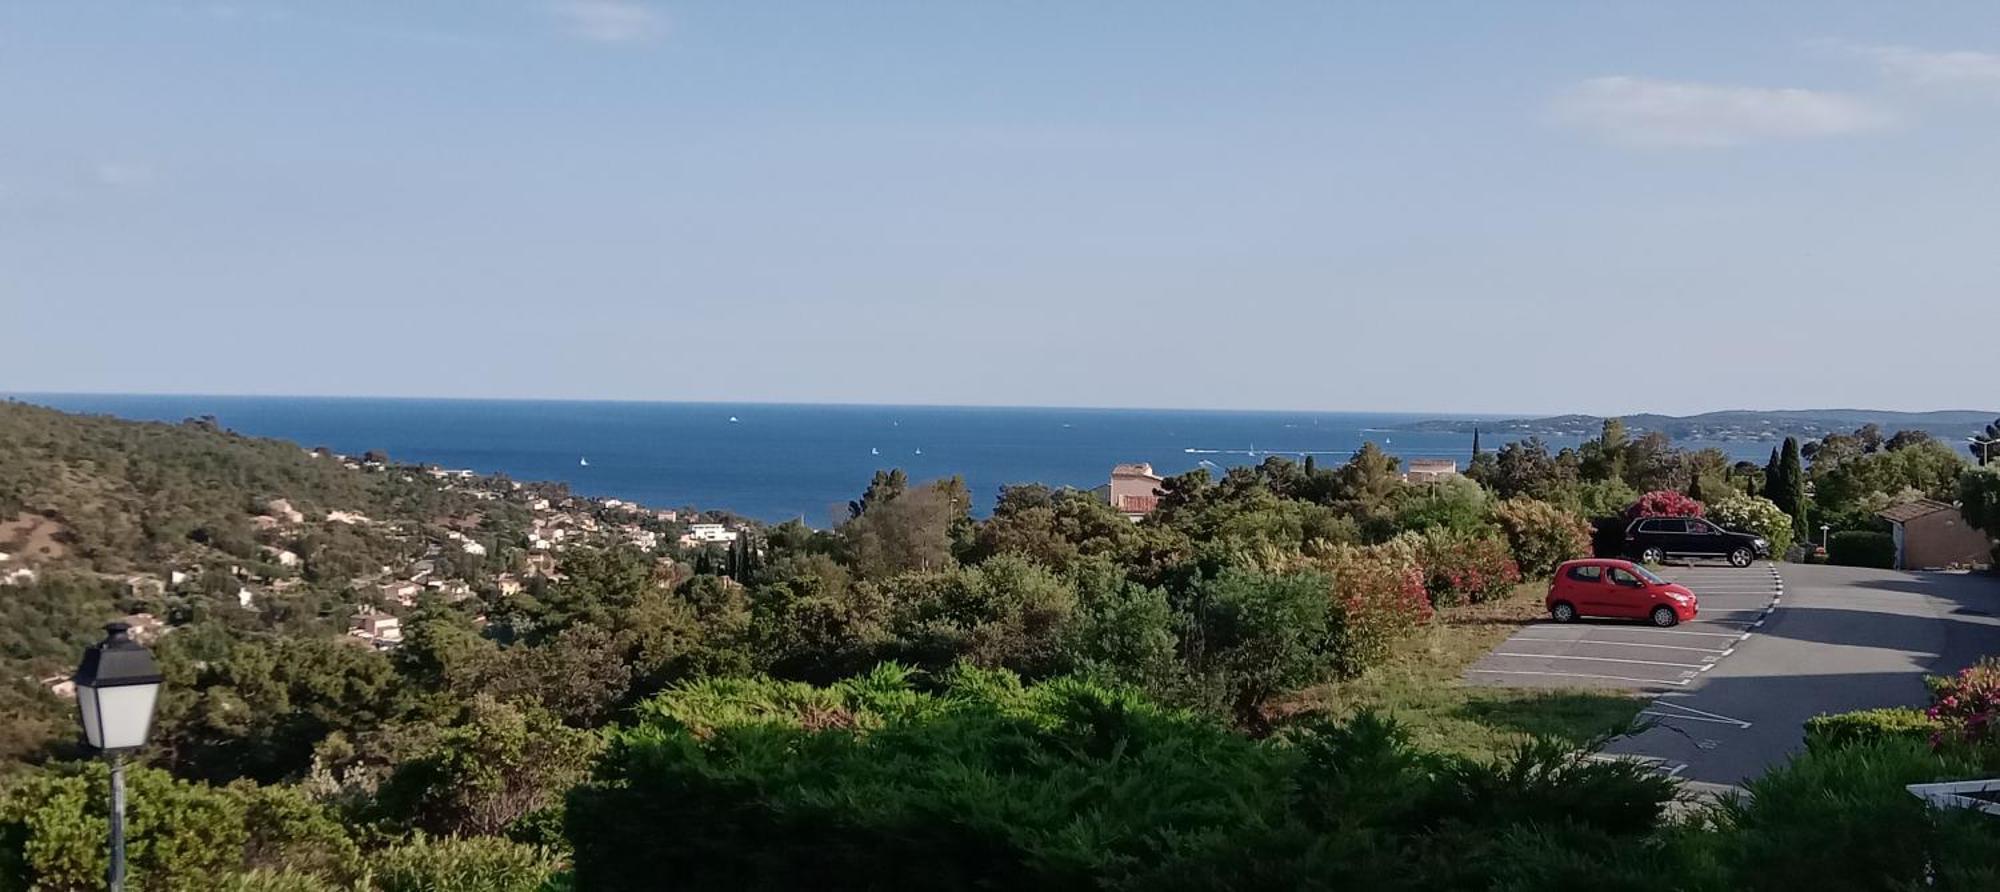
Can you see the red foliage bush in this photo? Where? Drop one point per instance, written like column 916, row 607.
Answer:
column 1380, row 593
column 1968, row 704
column 1664, row 503
column 1467, row 569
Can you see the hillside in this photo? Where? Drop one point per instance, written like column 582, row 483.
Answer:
column 1733, row 424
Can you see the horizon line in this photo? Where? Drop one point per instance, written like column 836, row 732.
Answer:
column 1440, row 414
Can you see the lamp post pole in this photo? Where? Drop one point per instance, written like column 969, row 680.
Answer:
column 114, row 876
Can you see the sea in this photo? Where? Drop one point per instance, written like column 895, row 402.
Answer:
column 776, row 462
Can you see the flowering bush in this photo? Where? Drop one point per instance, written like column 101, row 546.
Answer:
column 1378, row 594
column 1968, row 704
column 1541, row 535
column 1460, row 568
column 1664, row 503
column 1756, row 515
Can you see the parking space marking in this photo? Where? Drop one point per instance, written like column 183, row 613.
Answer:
column 1598, row 660
column 1709, row 650
column 1693, row 714
column 1677, row 682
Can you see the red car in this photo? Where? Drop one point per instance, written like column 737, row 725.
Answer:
column 1622, row 589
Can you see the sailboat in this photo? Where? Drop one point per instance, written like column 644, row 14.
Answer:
column 583, row 462
column 732, row 420
column 874, row 451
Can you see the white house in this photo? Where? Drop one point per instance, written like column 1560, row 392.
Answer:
column 708, row 533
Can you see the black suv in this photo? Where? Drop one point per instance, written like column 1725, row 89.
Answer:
column 1653, row 539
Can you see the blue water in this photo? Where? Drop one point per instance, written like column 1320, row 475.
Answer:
column 776, row 462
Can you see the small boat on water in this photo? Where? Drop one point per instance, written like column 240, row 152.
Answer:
column 732, row 420
column 583, row 462
column 920, row 452
column 874, row 451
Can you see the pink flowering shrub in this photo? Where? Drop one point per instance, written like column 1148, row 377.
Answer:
column 1664, row 503
column 1968, row 704
column 1462, row 569
column 1379, row 591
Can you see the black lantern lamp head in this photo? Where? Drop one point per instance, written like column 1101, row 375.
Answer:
column 117, row 687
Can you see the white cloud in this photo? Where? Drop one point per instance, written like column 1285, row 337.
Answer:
column 122, row 173
column 1939, row 68
column 1655, row 113
column 611, row 21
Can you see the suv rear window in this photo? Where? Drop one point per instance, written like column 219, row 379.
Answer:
column 1586, row 573
column 1653, row 526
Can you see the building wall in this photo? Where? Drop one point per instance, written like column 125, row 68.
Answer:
column 1133, row 489
column 1941, row 538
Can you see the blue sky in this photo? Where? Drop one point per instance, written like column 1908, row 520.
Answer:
column 1601, row 207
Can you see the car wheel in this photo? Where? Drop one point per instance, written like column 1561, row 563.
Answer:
column 1562, row 612
column 1653, row 554
column 1664, row 616
column 1741, row 557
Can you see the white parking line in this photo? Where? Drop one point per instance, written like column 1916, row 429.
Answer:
column 1649, row 631
column 1704, row 715
column 1676, row 682
column 1598, row 660
column 1706, row 650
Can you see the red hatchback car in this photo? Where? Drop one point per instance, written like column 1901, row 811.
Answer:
column 1622, row 589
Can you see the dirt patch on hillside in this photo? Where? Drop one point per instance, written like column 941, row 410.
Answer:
column 31, row 538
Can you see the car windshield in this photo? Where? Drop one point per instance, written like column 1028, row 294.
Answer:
column 1648, row 575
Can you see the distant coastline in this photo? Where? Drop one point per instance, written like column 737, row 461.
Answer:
column 1728, row 426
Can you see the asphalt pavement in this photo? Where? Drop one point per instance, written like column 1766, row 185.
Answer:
column 1840, row 638
column 1634, row 655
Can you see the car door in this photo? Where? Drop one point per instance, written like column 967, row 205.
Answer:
column 1625, row 594
column 1704, row 538
column 1584, row 585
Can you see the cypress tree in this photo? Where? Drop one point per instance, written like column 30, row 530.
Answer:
column 1475, row 441
column 1694, row 489
column 1790, row 493
column 1312, row 467
column 1771, row 475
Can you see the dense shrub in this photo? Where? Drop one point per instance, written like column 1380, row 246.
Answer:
column 1840, row 818
column 1461, row 568
column 1862, row 548
column 1007, row 612
column 1967, row 705
column 1379, row 593
column 989, row 784
column 1541, row 535
column 1257, row 634
column 1755, row 515
column 1869, row 726
column 1664, row 503
column 181, row 836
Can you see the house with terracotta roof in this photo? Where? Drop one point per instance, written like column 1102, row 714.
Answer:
column 1430, row 470
column 1134, row 489
column 1931, row 534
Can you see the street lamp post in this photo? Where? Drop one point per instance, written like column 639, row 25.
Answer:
column 1825, row 530
column 117, row 687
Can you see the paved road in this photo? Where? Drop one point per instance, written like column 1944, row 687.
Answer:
column 1841, row 638
column 1635, row 656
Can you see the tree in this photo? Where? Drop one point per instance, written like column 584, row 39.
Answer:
column 1604, row 457
column 1788, row 489
column 1541, row 535
column 911, row 531
column 883, row 487
column 1004, row 613
column 1979, row 498
column 495, row 765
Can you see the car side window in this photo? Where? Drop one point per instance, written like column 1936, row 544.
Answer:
column 1621, row 576
column 1649, row 526
column 1700, row 526
column 1586, row 573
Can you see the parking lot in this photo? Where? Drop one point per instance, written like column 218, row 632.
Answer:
column 1633, row 655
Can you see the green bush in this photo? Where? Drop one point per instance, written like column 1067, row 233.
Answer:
column 469, row 864
column 1862, row 548
column 1541, row 535
column 1462, row 568
column 1869, row 726
column 181, row 836
column 1841, row 818
column 991, row 784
